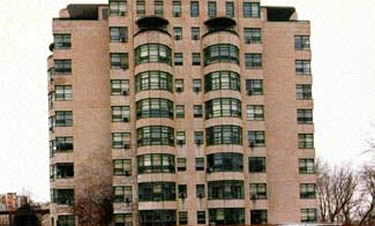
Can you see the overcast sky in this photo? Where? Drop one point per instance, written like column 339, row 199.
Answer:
column 343, row 64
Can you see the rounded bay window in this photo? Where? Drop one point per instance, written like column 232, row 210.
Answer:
column 153, row 80
column 222, row 80
column 153, row 53
column 224, row 162
column 154, row 108
column 223, row 52
column 156, row 163
column 223, row 107
column 225, row 189
column 155, row 135
column 157, row 191
column 224, row 134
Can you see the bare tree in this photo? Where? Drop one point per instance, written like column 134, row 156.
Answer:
column 336, row 189
column 95, row 207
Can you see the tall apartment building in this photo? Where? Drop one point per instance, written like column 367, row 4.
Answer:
column 195, row 112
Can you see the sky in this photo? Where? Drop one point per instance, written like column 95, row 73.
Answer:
column 343, row 56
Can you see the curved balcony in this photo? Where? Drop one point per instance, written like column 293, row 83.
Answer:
column 220, row 24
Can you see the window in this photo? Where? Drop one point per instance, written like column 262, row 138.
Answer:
column 63, row 66
column 119, row 87
column 224, row 134
column 122, row 194
column 199, row 164
column 121, row 140
column 120, row 113
column 257, row 164
column 63, row 92
column 156, row 163
column 253, row 35
column 118, row 34
column 197, row 85
column 304, row 116
column 118, row 8
column 253, row 60
column 227, row 216
column 303, row 91
column 157, row 191
column 123, row 219
column 198, row 137
column 180, row 138
column 201, row 217
column 302, row 42
column 305, row 140
column 226, row 189
column 153, row 53
column 251, row 10
column 141, row 8
column 222, row 80
column 158, row 8
column 196, row 59
column 182, row 191
column 51, row 99
column 255, row 112
column 194, row 9
column 307, row 191
column 229, row 9
column 211, row 9
column 306, row 166
column 62, row 41
column 176, row 8
column 221, row 53
column 63, row 144
column 256, row 139
column 154, row 108
column 180, row 111
column 63, row 170
column 195, row 33
column 258, row 191
column 153, row 80
column 199, row 188
column 181, row 164
column 65, row 220
column 62, row 196
column 64, row 118
column 224, row 162
column 309, row 215
column 119, row 61
column 122, row 167
column 155, row 135
column 223, row 107
column 178, row 59
column 254, row 87
column 177, row 32
column 303, row 67
column 258, row 217
column 183, row 217
column 179, row 85
column 162, row 217
column 198, row 111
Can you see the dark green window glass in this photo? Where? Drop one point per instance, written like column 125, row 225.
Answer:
column 224, row 162
column 164, row 217
column 155, row 135
column 223, row 107
column 224, row 134
column 156, row 163
column 157, row 191
column 221, row 53
column 153, row 53
column 227, row 216
column 154, row 108
column 222, row 80
column 153, row 80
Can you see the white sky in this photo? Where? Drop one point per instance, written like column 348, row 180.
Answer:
column 343, row 48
